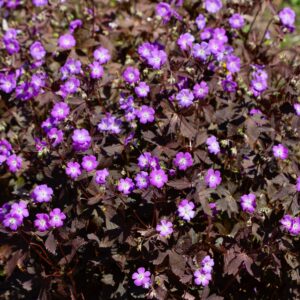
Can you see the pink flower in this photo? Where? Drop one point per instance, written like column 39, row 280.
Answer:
column 141, row 277
column 42, row 193
column 73, row 169
column 186, row 209
column 213, row 145
column 125, row 186
column 56, row 218
column 202, row 278
column 280, row 151
column 66, row 41
column 14, row 163
column 165, row 228
column 13, row 221
column 213, row 178
column 183, row 160
column 89, row 163
column 158, row 178
column 145, row 114
column 248, row 203
column 41, row 223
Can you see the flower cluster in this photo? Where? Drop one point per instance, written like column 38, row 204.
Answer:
column 291, row 224
column 203, row 275
column 13, row 161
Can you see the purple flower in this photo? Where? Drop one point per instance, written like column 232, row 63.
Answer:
column 164, row 10
column 258, row 86
column 157, row 59
column 185, row 41
column 259, row 82
column 42, row 193
column 48, row 124
column 185, row 98
column 130, row 114
column 200, row 90
column 89, row 163
column 7, row 83
column 26, row 91
column 236, row 21
column 126, row 103
column 4, row 210
column 39, row 3
column 213, row 6
column 56, row 218
column 183, row 160
column 101, row 175
column 201, row 51
column 141, row 277
column 13, row 221
column 216, row 46
column 66, row 41
column 287, row 222
column 14, row 163
column 97, row 70
column 142, row 180
column 213, row 178
column 37, row 51
column 229, row 85
column 213, row 145
column 81, row 139
column 201, row 22
column 56, row 136
column 206, row 34
column 5, row 147
column 291, row 224
column 142, row 89
column 220, row 35
column 74, row 25
column 202, row 278
column 60, row 111
column 38, row 80
column 2, row 159
column 280, row 151
column 255, row 111
column 70, row 86
column 41, row 223
column 165, row 228
column 248, row 203
column 287, row 17
column 295, row 228
column 73, row 66
column 145, row 49
column 102, row 55
column 73, row 169
column 158, row 178
column 12, row 46
column 233, row 63
column 20, row 209
column 144, row 160
column 110, row 124
column 207, row 263
column 131, row 75
column 10, row 34
column 125, row 186
column 154, row 163
column 186, row 209
column 145, row 114
column 297, row 108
